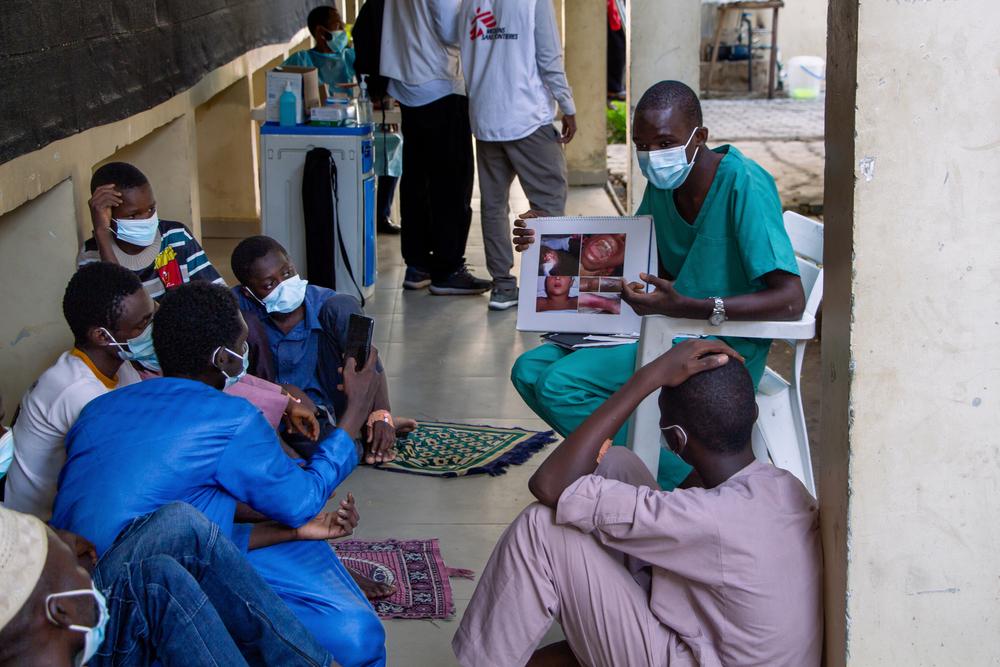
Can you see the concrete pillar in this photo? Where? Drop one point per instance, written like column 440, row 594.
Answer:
column 663, row 40
column 585, row 26
column 909, row 459
column 226, row 159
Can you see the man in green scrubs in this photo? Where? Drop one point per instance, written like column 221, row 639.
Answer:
column 723, row 251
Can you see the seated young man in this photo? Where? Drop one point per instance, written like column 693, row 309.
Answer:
column 729, row 574
column 127, row 231
column 332, row 57
column 110, row 316
column 724, row 254
column 306, row 336
column 179, row 438
column 171, row 590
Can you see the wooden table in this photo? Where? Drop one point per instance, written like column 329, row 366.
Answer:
column 723, row 9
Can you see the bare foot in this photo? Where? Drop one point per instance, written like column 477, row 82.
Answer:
column 405, row 425
column 372, row 589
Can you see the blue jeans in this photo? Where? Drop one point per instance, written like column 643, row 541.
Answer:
column 181, row 593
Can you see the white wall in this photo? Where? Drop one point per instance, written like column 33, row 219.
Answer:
column 909, row 459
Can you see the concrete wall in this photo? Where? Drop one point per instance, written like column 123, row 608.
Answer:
column 909, row 459
column 43, row 202
column 37, row 248
column 227, row 165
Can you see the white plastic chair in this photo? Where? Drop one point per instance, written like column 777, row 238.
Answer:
column 780, row 432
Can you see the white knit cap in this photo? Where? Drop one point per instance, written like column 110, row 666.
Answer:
column 24, row 546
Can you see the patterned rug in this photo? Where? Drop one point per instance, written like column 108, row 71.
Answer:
column 451, row 450
column 414, row 566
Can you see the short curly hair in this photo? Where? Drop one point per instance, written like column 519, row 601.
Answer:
column 125, row 176
column 672, row 95
column 193, row 320
column 248, row 251
column 95, row 297
column 719, row 407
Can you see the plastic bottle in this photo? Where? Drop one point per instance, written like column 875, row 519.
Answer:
column 287, row 107
column 365, row 111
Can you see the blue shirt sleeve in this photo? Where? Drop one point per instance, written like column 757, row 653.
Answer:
column 255, row 470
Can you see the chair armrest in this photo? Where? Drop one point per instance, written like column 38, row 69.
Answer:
column 801, row 329
column 659, row 331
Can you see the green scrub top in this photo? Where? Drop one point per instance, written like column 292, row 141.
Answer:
column 738, row 237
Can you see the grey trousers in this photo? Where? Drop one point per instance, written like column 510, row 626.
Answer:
column 539, row 163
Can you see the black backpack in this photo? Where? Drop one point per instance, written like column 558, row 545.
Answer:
column 367, row 36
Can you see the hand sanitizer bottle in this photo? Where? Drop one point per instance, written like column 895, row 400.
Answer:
column 365, row 111
column 287, row 108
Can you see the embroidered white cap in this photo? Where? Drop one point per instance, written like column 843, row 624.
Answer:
column 24, row 546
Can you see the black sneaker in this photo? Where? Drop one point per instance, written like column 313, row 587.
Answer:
column 416, row 278
column 461, row 282
column 503, row 298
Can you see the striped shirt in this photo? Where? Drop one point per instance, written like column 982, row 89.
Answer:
column 174, row 258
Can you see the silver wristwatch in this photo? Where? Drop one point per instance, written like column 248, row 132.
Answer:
column 718, row 315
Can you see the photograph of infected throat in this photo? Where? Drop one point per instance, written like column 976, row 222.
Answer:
column 602, row 255
column 556, row 293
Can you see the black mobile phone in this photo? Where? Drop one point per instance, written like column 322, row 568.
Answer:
column 359, row 338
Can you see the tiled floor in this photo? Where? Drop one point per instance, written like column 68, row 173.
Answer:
column 448, row 358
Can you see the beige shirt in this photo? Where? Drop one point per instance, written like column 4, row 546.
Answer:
column 736, row 570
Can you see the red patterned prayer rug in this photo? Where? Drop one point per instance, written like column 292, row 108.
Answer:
column 414, row 566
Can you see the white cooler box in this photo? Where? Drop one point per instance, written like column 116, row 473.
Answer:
column 283, row 153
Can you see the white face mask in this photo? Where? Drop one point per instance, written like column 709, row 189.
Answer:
column 681, row 435
column 140, row 232
column 667, row 168
column 94, row 636
column 233, row 379
column 287, row 296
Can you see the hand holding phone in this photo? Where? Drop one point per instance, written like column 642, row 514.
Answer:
column 359, row 339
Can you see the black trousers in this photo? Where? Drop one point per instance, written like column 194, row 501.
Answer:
column 436, row 189
column 616, row 60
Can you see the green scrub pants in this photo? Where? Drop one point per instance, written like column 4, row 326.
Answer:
column 564, row 388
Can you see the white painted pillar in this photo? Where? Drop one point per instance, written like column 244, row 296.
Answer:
column 909, row 459
column 663, row 38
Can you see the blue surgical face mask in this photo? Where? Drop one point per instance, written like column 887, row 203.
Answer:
column 667, row 168
column 138, row 232
column 138, row 349
column 233, row 379
column 287, row 296
column 6, row 451
column 336, row 40
column 94, row 636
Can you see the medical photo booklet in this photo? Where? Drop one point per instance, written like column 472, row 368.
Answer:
column 572, row 275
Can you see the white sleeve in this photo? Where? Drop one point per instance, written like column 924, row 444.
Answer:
column 548, row 56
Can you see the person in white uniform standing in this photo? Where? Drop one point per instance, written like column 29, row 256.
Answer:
column 420, row 59
column 515, row 79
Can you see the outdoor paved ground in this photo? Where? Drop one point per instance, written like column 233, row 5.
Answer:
column 784, row 136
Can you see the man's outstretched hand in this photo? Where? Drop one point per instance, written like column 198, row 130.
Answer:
column 331, row 525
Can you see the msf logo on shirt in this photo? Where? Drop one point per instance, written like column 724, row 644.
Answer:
column 484, row 27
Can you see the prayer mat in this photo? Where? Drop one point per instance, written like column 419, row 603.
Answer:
column 441, row 449
column 415, row 567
